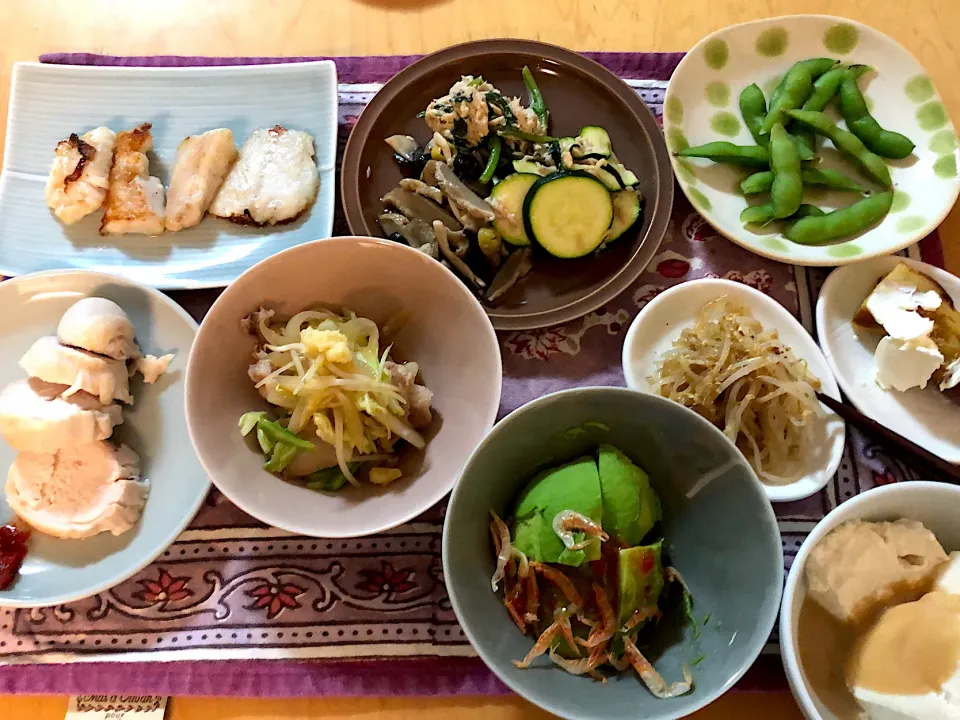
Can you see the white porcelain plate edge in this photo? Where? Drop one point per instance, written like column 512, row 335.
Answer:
column 660, row 322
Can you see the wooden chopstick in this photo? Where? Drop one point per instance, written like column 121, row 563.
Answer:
column 940, row 468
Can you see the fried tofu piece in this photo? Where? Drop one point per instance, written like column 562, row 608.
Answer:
column 203, row 162
column 274, row 181
column 80, row 174
column 134, row 202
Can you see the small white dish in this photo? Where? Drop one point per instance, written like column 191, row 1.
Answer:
column 927, row 416
column 701, row 105
column 58, row 571
column 49, row 102
column 660, row 323
column 934, row 504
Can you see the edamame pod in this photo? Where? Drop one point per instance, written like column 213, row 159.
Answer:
column 827, row 85
column 762, row 214
column 786, row 193
column 753, row 109
column 811, row 177
column 843, row 223
column 846, row 142
column 853, row 107
column 727, row 152
column 792, row 93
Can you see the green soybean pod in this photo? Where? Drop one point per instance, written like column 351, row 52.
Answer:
column 762, row 214
column 786, row 193
column 793, row 92
column 846, row 142
column 726, row 152
column 762, row 181
column 827, row 85
column 753, row 109
column 817, row 66
column 843, row 223
column 861, row 123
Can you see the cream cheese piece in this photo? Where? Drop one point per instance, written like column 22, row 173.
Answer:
column 894, row 305
column 906, row 364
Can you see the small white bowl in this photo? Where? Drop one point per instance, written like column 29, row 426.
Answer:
column 936, row 505
column 441, row 326
column 927, row 416
column 660, row 323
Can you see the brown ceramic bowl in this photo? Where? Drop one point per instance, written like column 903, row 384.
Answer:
column 437, row 323
column 578, row 92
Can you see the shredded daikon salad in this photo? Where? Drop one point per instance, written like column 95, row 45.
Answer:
column 742, row 378
column 335, row 387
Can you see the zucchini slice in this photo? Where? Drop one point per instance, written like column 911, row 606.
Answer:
column 609, row 179
column 528, row 167
column 568, row 213
column 626, row 212
column 509, row 194
column 595, row 142
column 627, row 178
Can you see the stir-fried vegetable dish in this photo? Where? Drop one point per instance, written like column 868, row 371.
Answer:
column 490, row 188
column 742, row 378
column 583, row 568
column 342, row 405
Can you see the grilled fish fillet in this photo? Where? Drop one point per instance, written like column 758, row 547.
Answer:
column 275, row 180
column 203, row 161
column 134, row 201
column 80, row 174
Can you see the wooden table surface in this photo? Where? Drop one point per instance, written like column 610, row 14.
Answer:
column 927, row 28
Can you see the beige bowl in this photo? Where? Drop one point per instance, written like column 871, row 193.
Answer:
column 443, row 328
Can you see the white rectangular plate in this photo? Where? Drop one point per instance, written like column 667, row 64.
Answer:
column 48, row 102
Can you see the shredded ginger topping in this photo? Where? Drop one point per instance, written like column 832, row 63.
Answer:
column 742, row 378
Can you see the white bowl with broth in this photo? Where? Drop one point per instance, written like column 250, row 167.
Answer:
column 805, row 648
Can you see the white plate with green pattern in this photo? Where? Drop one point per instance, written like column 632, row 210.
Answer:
column 701, row 106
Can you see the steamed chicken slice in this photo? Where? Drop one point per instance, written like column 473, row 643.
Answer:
column 134, row 201
column 78, row 492
column 103, row 377
column 100, row 326
column 202, row 163
column 275, row 179
column 80, row 174
column 34, row 417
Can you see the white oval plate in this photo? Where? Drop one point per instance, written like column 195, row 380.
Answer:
column 704, row 92
column 660, row 323
column 58, row 571
column 926, row 416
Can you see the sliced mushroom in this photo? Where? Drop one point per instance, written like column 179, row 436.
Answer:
column 516, row 266
column 441, row 233
column 416, row 206
column 404, row 146
column 459, row 242
column 392, row 223
column 468, row 221
column 458, row 192
column 421, row 188
column 429, row 174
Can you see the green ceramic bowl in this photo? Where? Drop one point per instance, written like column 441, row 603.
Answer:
column 720, row 533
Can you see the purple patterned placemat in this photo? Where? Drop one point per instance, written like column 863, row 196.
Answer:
column 248, row 610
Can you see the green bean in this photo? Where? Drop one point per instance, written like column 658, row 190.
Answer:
column 853, row 107
column 846, row 142
column 796, row 88
column 279, row 434
column 842, row 223
column 787, row 190
column 727, row 152
column 811, row 177
column 493, row 144
column 762, row 214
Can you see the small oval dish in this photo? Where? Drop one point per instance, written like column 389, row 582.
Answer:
column 926, row 416
column 701, row 105
column 662, row 320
